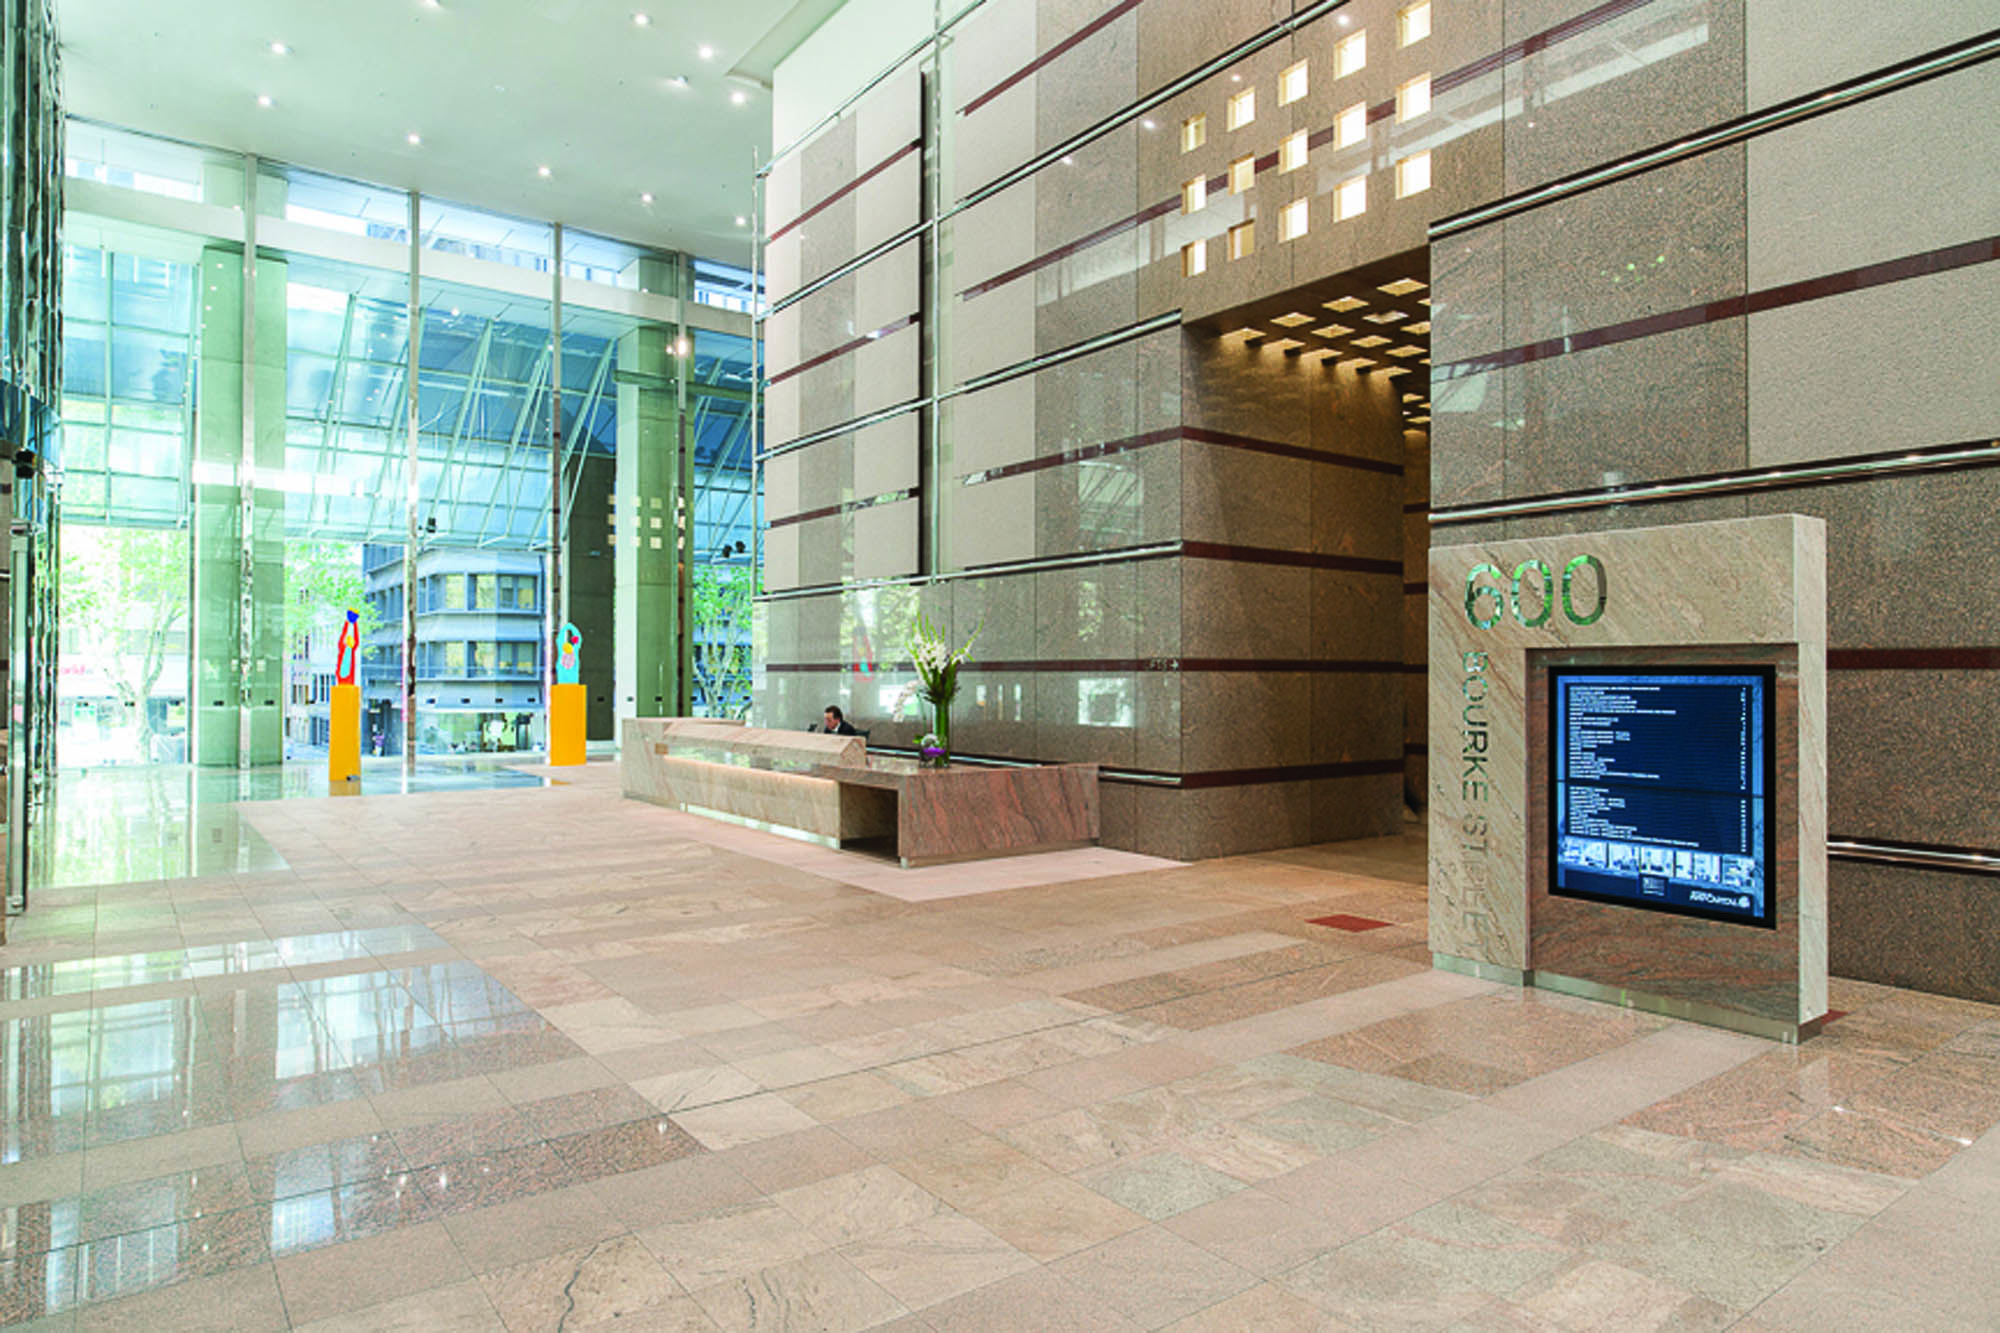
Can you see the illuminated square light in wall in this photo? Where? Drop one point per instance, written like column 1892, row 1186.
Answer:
column 1292, row 84
column 1291, row 320
column 1422, row 327
column 1242, row 240
column 1423, row 420
column 1242, row 108
column 1413, row 24
column 1350, row 199
column 1345, row 304
column 1242, row 174
column 1413, row 98
column 1403, row 287
column 1385, row 317
column 1284, row 344
column 1292, row 152
column 1292, row 220
column 1409, row 397
column 1391, row 372
column 1247, row 334
column 1413, row 175
column 1351, row 56
column 1333, row 331
column 1194, row 132
column 1351, row 126
column 1357, row 363
column 1372, row 340
column 1406, row 350
column 1194, row 195
column 1194, row 259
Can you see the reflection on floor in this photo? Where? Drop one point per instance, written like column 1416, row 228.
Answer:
column 123, row 823
column 531, row 1058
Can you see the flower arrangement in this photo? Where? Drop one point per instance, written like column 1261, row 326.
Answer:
column 937, row 664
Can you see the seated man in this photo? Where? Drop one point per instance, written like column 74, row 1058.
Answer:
column 836, row 723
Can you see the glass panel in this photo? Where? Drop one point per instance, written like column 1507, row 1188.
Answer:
column 122, row 694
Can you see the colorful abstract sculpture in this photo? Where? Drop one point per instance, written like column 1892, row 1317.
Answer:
column 568, row 644
column 566, row 701
column 349, row 650
column 343, row 742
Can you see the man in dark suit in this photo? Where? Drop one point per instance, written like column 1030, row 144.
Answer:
column 836, row 723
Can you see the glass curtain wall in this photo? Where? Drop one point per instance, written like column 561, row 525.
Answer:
column 144, row 315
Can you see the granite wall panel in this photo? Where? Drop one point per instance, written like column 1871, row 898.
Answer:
column 1795, row 47
column 1925, row 929
column 1642, row 77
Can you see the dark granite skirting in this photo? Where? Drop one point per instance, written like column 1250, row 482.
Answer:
column 1926, row 929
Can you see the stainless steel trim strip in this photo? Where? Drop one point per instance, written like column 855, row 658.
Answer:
column 1133, row 111
column 1807, row 107
column 1170, row 320
column 1980, row 455
column 828, row 432
column 1975, row 862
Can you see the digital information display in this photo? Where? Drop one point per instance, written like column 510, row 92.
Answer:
column 1662, row 789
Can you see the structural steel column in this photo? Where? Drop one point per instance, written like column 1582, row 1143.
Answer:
column 645, row 578
column 237, row 528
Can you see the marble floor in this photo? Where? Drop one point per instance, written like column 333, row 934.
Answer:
column 534, row 1057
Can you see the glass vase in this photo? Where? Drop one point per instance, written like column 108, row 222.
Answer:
column 941, row 728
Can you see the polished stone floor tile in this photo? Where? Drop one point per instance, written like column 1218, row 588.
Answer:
column 593, row 1073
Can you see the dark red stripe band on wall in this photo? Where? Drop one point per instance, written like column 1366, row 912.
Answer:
column 842, row 350
column 1357, row 564
column 1913, row 659
column 1536, row 43
column 1054, row 53
column 846, row 507
column 1165, row 435
column 1942, row 260
column 851, row 186
column 1064, row 251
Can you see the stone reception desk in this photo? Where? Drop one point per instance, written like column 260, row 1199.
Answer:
column 830, row 790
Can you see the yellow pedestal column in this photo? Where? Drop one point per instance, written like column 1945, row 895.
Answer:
column 566, row 708
column 343, row 743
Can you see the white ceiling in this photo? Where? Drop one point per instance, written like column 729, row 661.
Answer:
column 495, row 88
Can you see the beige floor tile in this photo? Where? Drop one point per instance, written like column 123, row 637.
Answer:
column 322, row 1283
column 542, row 1224
column 614, row 1279
column 246, row 1300
column 823, row 1292
column 1055, row 1218
column 860, row 1203
column 746, row 1120
column 729, row 1243
column 281, row 1131
column 461, row 1307
column 1266, row 1309
column 975, row 1168
column 686, row 1089
column 935, row 1259
column 1153, row 1276
column 165, row 1154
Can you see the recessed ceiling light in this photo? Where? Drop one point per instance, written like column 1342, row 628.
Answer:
column 1345, row 303
column 739, row 97
column 414, row 139
column 642, row 19
column 646, row 198
column 263, row 99
column 1147, row 124
column 742, row 221
column 1401, row 287
column 280, row 49
column 1292, row 320
column 1284, row 344
column 1408, row 349
column 1356, row 363
column 706, row 52
column 1422, row 327
column 1333, row 331
column 677, row 81
column 1372, row 340
column 1385, row 317
column 543, row 172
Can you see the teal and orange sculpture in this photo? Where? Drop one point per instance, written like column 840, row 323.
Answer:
column 566, row 699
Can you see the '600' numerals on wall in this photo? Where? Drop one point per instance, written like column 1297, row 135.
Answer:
column 1486, row 602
